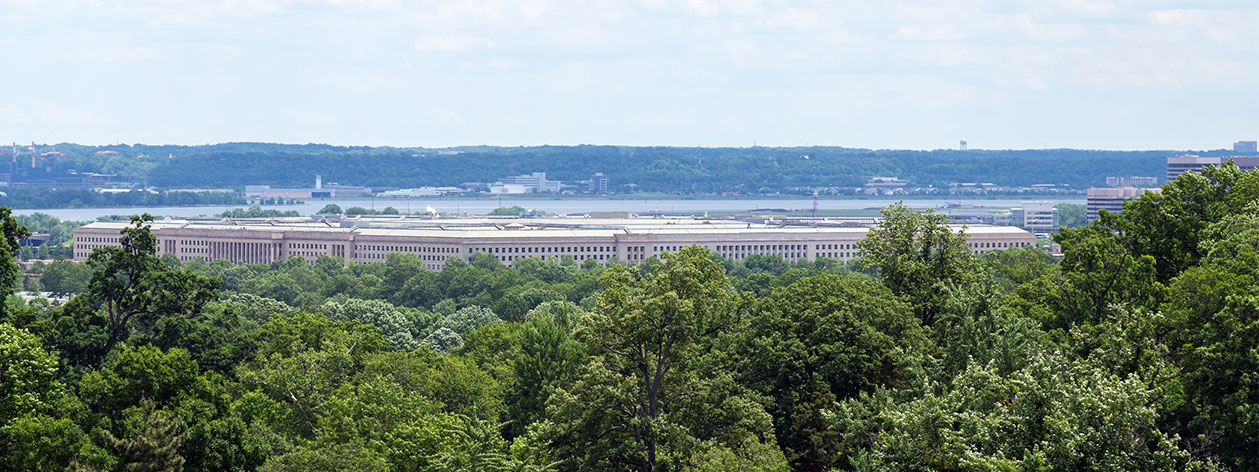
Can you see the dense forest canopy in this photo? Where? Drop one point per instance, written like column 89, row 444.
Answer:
column 1135, row 350
column 652, row 169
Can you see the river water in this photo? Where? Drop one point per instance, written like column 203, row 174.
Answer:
column 560, row 205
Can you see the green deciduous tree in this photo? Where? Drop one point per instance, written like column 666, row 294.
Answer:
column 391, row 322
column 457, row 384
column 131, row 283
column 632, row 406
column 1096, row 272
column 37, row 412
column 917, row 255
column 1169, row 225
column 326, row 457
column 468, row 319
column 10, row 273
column 1055, row 414
column 1071, row 215
column 549, row 358
column 65, row 277
column 1213, row 315
column 832, row 336
column 301, row 361
column 443, row 340
column 28, row 373
column 138, row 383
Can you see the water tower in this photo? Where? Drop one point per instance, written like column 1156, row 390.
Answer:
column 961, row 146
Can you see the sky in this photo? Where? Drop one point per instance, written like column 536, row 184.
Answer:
column 883, row 74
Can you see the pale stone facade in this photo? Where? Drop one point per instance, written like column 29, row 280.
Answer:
column 262, row 243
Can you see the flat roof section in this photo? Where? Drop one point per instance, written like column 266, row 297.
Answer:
column 599, row 229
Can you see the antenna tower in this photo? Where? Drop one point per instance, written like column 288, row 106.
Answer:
column 815, row 204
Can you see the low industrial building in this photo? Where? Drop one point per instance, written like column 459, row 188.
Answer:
column 435, row 240
column 423, row 192
column 319, row 191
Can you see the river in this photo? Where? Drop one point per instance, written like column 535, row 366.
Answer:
column 561, row 205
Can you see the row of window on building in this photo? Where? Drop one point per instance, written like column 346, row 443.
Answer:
column 541, row 249
column 412, row 249
column 84, row 246
column 508, row 259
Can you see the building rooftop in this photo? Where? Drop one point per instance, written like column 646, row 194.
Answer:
column 529, row 228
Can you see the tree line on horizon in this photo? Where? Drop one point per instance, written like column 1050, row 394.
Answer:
column 1132, row 351
column 671, row 170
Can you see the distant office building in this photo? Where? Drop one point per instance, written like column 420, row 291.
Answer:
column 535, row 182
column 499, row 188
column 1111, row 199
column 346, row 190
column 422, row 192
column 884, row 186
column 1188, row 162
column 266, row 191
column 201, row 190
column 1246, row 147
column 319, row 191
column 885, row 182
column 599, row 183
column 1037, row 216
column 1131, row 181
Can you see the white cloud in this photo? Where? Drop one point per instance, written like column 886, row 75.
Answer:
column 451, row 43
column 704, row 7
column 702, row 62
column 917, row 33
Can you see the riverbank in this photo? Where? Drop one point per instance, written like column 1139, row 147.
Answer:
column 663, row 196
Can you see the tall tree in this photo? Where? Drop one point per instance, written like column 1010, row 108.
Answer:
column 1054, row 414
column 37, row 431
column 825, row 336
column 917, row 256
column 1098, row 271
column 9, row 270
column 301, row 361
column 1213, row 312
column 131, row 284
column 1170, row 225
column 634, row 405
column 549, row 359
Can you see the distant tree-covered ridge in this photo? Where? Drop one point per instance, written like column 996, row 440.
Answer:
column 650, row 169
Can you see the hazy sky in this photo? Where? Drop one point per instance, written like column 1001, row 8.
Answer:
column 1122, row 74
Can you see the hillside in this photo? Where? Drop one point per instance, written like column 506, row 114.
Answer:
column 652, row 169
